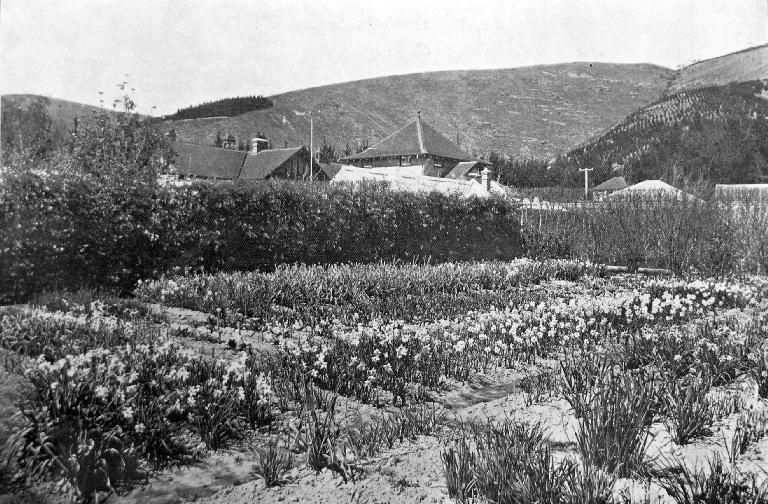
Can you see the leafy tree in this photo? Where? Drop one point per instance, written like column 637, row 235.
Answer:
column 123, row 148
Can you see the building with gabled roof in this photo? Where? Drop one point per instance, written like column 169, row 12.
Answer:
column 290, row 163
column 201, row 161
column 415, row 149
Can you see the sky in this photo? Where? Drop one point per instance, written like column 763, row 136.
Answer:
column 177, row 53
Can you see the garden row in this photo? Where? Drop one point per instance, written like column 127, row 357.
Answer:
column 394, row 356
column 358, row 292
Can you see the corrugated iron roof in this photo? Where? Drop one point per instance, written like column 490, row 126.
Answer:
column 415, row 138
column 209, row 162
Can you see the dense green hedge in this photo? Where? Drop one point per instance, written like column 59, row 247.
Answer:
column 63, row 233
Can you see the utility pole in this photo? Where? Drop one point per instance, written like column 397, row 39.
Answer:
column 311, row 161
column 586, row 180
column 311, row 132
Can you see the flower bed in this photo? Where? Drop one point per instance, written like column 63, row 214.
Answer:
column 352, row 293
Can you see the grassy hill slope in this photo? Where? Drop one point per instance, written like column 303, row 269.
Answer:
column 536, row 111
column 62, row 112
column 749, row 64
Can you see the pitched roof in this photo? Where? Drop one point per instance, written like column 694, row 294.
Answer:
column 260, row 165
column 414, row 138
column 614, row 184
column 209, row 162
column 460, row 171
column 653, row 189
column 330, row 169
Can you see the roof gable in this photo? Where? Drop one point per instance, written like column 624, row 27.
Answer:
column 210, row 162
column 260, row 165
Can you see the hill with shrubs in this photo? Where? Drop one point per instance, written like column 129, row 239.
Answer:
column 536, row 111
column 715, row 134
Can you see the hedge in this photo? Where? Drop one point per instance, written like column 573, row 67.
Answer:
column 58, row 233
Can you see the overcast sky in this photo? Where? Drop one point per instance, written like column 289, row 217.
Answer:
column 179, row 53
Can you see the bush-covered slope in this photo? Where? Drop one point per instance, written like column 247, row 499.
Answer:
column 717, row 133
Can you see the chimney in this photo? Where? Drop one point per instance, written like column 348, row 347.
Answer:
column 485, row 181
column 259, row 144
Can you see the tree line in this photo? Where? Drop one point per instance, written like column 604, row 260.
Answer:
column 228, row 107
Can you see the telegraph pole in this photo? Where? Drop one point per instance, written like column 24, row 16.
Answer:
column 586, row 180
column 311, row 174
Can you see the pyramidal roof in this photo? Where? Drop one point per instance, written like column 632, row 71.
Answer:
column 413, row 139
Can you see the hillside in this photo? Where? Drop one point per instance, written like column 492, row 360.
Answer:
column 746, row 65
column 62, row 112
column 537, row 111
column 717, row 133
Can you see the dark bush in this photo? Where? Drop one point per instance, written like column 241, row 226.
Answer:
column 69, row 233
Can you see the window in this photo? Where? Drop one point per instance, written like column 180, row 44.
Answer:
column 405, row 160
